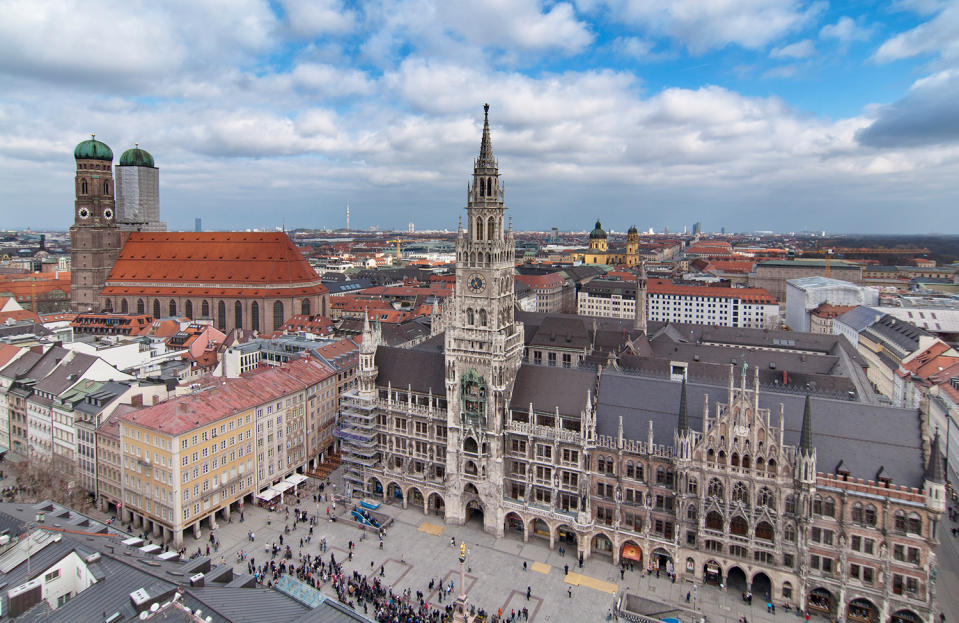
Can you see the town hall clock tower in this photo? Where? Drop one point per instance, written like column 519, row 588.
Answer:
column 484, row 348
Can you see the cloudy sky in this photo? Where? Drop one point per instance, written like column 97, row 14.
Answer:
column 745, row 114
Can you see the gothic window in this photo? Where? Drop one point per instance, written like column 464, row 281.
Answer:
column 715, row 488
column 738, row 526
column 714, row 521
column 490, row 229
column 487, row 259
column 469, row 316
column 740, row 493
column 734, row 460
column 710, row 456
column 238, row 314
column 789, row 533
column 489, row 187
column 255, row 316
column 106, row 188
column 172, row 308
column 482, row 188
column 278, row 313
column 791, row 504
column 140, row 307
column 156, row 309
column 470, row 446
column 83, row 187
column 692, row 486
column 869, row 515
column 760, row 464
column 824, row 506
column 479, row 228
column 766, row 498
column 189, row 310
column 205, row 310
column 722, row 457
column 305, row 307
column 691, row 512
column 482, row 317
column 601, row 464
column 764, row 530
column 771, row 467
column 746, row 462
column 123, row 306
column 221, row 315
column 857, row 513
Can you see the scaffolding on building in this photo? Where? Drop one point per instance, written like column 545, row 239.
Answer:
column 357, row 434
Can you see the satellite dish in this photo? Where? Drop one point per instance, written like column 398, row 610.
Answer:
column 154, row 607
column 144, row 615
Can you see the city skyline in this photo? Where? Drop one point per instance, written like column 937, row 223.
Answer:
column 782, row 116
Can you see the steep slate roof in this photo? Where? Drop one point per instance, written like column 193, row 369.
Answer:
column 208, row 263
column 548, row 388
column 424, row 371
column 864, row 437
column 860, row 318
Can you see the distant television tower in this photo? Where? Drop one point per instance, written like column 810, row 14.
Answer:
column 347, row 217
column 412, row 228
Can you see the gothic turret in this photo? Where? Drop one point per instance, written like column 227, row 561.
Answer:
column 684, row 434
column 805, row 452
column 367, row 364
column 639, row 315
column 934, row 480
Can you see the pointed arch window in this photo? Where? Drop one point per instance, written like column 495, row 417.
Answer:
column 490, row 229
column 156, row 308
column 469, row 316
column 106, row 188
column 124, row 306
column 278, row 315
column 715, row 488
column 83, row 187
column 479, row 228
column 740, row 493
column 305, row 307
column 205, row 310
column 255, row 316
column 766, row 498
column 188, row 310
column 172, row 308
column 238, row 314
column 738, row 526
column 140, row 307
column 221, row 315
column 482, row 317
column 489, row 187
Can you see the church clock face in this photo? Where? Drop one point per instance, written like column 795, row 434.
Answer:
column 84, row 213
column 476, row 283
column 108, row 214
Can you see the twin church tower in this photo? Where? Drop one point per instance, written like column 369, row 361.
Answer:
column 105, row 209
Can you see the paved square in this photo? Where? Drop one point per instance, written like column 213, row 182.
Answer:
column 432, row 528
column 541, row 567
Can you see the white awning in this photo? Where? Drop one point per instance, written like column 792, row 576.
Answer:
column 168, row 555
column 296, row 479
column 132, row 541
column 149, row 549
column 267, row 495
column 282, row 486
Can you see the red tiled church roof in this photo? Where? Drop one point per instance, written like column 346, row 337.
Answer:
column 234, row 264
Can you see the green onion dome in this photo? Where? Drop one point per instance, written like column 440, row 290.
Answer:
column 92, row 149
column 136, row 157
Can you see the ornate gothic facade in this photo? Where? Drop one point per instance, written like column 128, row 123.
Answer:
column 822, row 504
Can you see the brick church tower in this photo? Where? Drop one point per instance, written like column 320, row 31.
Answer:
column 94, row 236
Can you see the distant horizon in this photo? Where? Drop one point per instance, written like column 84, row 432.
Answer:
column 793, row 115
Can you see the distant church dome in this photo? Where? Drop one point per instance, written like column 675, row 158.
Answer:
column 632, row 230
column 92, row 149
column 598, row 231
column 136, row 157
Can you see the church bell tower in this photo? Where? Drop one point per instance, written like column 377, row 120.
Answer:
column 484, row 346
column 94, row 236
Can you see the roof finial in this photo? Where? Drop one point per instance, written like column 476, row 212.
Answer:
column 92, row 135
column 805, row 434
column 137, row 145
column 486, row 110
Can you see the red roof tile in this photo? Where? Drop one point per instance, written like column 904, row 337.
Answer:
column 209, row 263
column 748, row 295
column 180, row 415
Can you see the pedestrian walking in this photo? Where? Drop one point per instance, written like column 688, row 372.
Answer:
column 529, row 591
column 569, row 591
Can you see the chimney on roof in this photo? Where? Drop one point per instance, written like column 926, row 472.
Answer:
column 156, row 399
column 136, row 400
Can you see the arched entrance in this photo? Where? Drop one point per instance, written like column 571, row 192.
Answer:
column 540, row 529
column 415, row 497
column 394, row 493
column 631, row 552
column 513, row 526
column 662, row 560
column 822, row 602
column 736, row 580
column 905, row 616
column 602, row 545
column 762, row 586
column 566, row 538
column 374, row 487
column 862, row 611
column 712, row 573
column 474, row 513
column 436, row 506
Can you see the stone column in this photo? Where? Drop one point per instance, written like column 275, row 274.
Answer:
column 178, row 539
column 197, row 531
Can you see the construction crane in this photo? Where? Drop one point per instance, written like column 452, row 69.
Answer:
column 397, row 241
column 864, row 251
